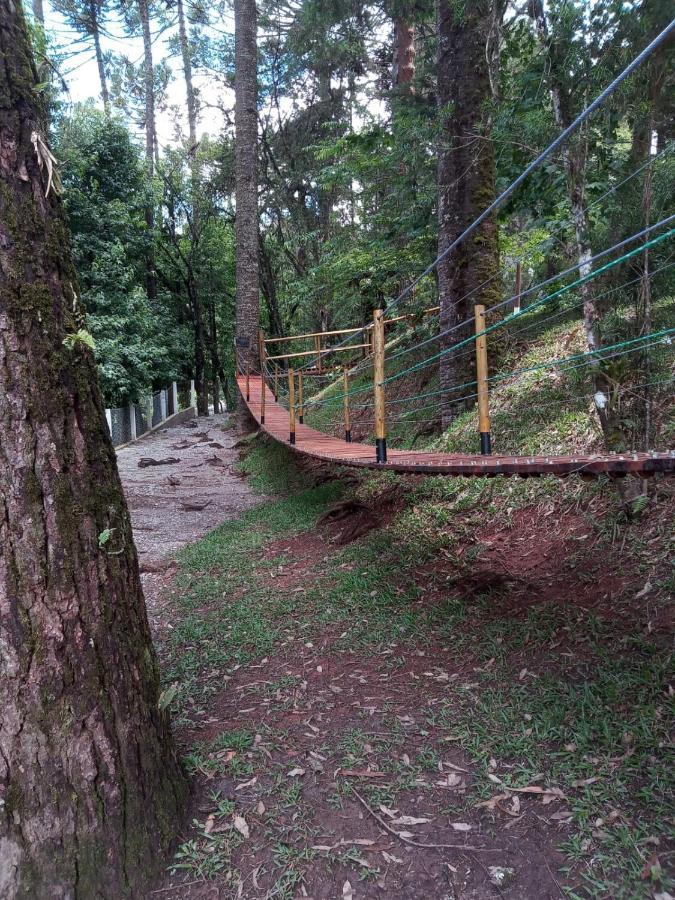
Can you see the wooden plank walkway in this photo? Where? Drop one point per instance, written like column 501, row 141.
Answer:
column 323, row 446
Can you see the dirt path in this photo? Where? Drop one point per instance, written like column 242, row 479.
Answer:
column 174, row 504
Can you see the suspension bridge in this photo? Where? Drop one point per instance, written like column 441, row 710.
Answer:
column 275, row 392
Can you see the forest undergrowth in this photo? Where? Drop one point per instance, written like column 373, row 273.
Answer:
column 391, row 686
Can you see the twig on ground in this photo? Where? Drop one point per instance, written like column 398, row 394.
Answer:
column 406, row 840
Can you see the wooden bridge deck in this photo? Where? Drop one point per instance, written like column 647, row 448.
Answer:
column 323, row 446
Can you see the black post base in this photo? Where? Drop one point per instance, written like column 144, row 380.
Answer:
column 301, row 419
column 262, row 420
column 292, row 437
column 485, row 443
column 381, row 450
column 348, row 435
column 248, row 397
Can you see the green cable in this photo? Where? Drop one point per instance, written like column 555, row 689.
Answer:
column 610, row 265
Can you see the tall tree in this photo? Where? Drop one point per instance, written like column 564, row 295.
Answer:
column 150, row 139
column 575, row 156
column 195, row 293
column 467, row 43
column 246, row 187
column 90, row 786
column 38, row 11
column 86, row 17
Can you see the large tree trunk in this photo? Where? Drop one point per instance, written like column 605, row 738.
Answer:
column 105, row 96
column 38, row 11
column 466, row 183
column 246, row 177
column 197, row 305
column 90, row 788
column 150, row 144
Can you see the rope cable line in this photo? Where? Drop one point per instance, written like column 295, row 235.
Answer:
column 644, row 54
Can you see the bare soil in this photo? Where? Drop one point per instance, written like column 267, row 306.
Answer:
column 174, row 504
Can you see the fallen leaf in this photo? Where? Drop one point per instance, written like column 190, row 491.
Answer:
column 410, row 820
column 347, row 891
column 460, row 826
column 390, row 858
column 246, row 784
column 241, row 825
column 295, row 773
column 361, row 773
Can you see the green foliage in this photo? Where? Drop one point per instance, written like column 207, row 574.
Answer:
column 137, row 344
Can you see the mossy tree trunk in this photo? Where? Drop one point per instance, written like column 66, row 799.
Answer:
column 246, row 178
column 91, row 792
column 466, row 178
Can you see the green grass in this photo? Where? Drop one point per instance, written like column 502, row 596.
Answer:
column 228, row 615
column 271, row 468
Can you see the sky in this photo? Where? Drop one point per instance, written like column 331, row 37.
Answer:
column 81, row 74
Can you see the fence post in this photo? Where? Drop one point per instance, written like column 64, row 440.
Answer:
column 263, row 383
column 174, row 397
column 348, row 427
column 481, row 381
column 163, row 397
column 291, row 405
column 132, row 422
column 108, row 418
column 149, row 410
column 301, row 409
column 193, row 394
column 378, row 387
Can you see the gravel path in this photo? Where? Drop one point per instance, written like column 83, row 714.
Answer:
column 176, row 503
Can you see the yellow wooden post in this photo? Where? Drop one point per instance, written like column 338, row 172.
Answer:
column 301, row 411
column 348, row 427
column 263, row 385
column 378, row 387
column 481, row 381
column 291, row 405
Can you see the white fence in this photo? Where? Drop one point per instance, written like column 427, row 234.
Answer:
column 126, row 423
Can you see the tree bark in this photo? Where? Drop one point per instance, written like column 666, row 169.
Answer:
column 90, row 787
column 246, row 178
column 466, row 184
column 105, row 96
column 404, row 56
column 574, row 161
column 38, row 11
column 150, row 145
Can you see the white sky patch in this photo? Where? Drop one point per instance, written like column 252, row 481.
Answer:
column 81, row 73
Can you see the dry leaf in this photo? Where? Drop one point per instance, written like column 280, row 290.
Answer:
column 241, row 825
column 208, row 826
column 410, row 820
column 295, row 773
column 347, row 891
column 246, row 784
column 390, row 858
column 460, row 826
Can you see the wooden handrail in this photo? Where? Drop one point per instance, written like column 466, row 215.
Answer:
column 323, row 352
